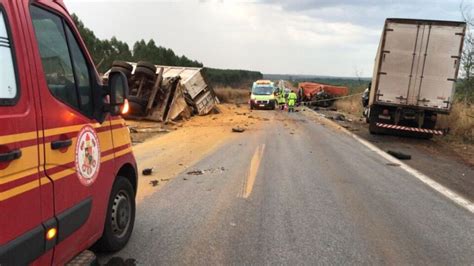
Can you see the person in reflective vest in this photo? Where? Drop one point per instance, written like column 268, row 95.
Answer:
column 292, row 97
column 281, row 100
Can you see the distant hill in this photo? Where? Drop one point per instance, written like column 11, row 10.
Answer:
column 291, row 77
column 354, row 84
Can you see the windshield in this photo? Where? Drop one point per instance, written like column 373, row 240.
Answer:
column 262, row 90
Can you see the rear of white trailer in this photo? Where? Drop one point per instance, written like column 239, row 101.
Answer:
column 414, row 77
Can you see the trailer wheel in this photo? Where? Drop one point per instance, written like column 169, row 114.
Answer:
column 125, row 71
column 122, row 64
column 120, row 217
column 148, row 65
column 146, row 72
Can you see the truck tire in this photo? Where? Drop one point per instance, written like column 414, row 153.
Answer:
column 125, row 71
column 373, row 129
column 122, row 64
column 120, row 217
column 146, row 64
column 145, row 72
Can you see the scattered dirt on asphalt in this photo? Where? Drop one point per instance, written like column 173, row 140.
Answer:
column 172, row 153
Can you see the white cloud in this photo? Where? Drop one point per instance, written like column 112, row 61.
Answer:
column 298, row 37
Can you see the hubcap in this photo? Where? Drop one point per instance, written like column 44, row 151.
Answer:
column 121, row 213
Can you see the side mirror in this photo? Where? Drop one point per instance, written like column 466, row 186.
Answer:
column 118, row 85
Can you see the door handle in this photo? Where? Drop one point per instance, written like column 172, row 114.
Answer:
column 10, row 156
column 60, row 144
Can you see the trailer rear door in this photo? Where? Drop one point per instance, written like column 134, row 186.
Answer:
column 397, row 58
column 441, row 64
column 419, row 63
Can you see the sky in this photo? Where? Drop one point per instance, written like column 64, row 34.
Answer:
column 310, row 37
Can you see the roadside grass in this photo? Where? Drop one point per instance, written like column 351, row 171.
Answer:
column 232, row 95
column 351, row 105
column 460, row 122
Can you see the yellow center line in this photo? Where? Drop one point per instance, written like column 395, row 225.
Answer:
column 253, row 170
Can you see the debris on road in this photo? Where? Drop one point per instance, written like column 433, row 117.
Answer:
column 148, row 130
column 165, row 179
column 238, row 129
column 399, row 155
column 147, row 171
column 117, row 261
column 210, row 170
column 154, row 183
column 393, row 164
column 339, row 117
column 196, row 172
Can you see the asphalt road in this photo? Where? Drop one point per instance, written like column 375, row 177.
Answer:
column 296, row 192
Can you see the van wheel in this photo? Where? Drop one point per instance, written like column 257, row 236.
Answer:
column 120, row 217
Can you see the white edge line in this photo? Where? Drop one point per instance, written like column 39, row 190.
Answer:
column 455, row 197
column 458, row 199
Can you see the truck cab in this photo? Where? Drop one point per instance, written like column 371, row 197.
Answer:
column 68, row 177
column 262, row 95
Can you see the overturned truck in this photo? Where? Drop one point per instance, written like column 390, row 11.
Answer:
column 321, row 94
column 164, row 93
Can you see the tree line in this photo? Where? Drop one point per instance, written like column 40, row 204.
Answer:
column 230, row 77
column 104, row 52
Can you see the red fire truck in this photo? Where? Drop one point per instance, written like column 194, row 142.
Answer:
column 68, row 177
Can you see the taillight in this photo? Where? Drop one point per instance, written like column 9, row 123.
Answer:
column 125, row 107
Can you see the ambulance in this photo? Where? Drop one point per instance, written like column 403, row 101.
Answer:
column 68, row 177
column 262, row 95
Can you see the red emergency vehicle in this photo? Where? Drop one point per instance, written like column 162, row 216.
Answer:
column 68, row 177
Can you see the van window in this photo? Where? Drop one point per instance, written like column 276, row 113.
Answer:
column 8, row 85
column 64, row 64
column 81, row 72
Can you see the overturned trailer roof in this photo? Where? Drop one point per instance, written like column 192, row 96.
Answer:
column 193, row 83
column 195, row 90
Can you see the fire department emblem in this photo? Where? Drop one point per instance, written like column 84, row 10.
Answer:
column 87, row 155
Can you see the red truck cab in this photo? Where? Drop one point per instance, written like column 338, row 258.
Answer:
column 68, row 177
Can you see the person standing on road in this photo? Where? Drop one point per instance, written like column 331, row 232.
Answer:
column 300, row 96
column 292, row 97
column 281, row 99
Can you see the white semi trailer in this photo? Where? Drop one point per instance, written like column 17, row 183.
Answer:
column 414, row 77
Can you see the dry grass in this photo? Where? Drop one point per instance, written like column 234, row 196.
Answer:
column 460, row 122
column 350, row 105
column 231, row 95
